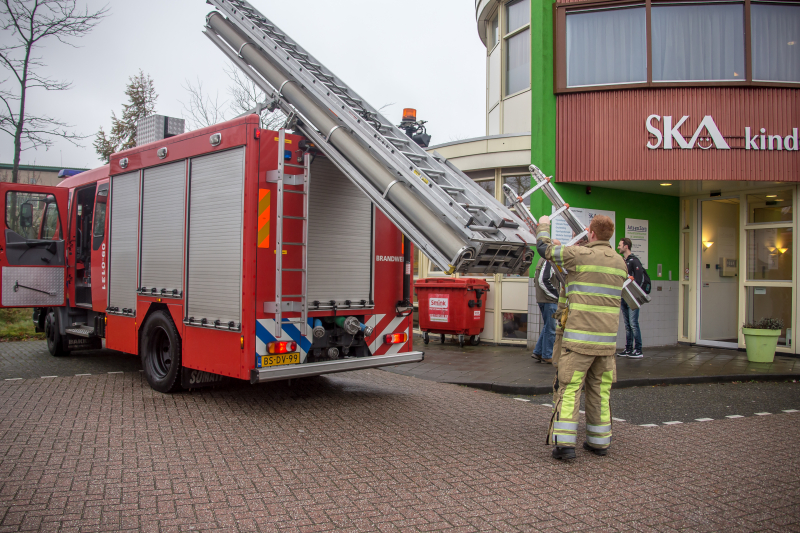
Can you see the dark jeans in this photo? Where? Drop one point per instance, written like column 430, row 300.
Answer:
column 633, row 335
column 547, row 337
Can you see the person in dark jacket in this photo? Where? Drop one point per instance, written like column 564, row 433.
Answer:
column 547, row 289
column 633, row 334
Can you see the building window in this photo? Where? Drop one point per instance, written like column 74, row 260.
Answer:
column 667, row 43
column 771, row 302
column 518, row 46
column 771, row 207
column 775, row 42
column 606, row 47
column 698, row 42
column 520, row 184
column 769, row 254
column 487, row 185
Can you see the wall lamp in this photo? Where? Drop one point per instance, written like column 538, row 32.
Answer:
column 707, row 245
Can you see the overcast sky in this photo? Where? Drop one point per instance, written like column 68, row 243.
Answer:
column 424, row 54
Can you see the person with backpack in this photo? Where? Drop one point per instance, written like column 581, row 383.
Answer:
column 633, row 334
column 547, row 292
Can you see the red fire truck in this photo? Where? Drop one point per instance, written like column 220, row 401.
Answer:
column 169, row 252
column 253, row 254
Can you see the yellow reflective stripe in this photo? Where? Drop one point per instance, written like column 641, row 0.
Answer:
column 597, row 343
column 592, row 333
column 568, row 401
column 562, row 300
column 594, row 294
column 604, row 285
column 593, row 308
column 605, row 395
column 602, row 270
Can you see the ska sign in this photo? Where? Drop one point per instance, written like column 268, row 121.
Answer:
column 707, row 136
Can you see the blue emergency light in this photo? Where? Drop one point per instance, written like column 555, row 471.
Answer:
column 67, row 172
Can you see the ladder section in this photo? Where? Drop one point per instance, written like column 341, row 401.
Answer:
column 463, row 228
column 289, row 303
column 561, row 207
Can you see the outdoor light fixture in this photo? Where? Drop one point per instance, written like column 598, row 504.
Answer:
column 666, row 184
column 790, row 43
column 782, row 250
column 707, row 245
column 772, row 196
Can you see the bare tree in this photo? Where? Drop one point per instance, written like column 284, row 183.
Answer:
column 202, row 109
column 246, row 96
column 26, row 24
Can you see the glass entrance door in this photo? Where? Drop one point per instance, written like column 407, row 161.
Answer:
column 719, row 272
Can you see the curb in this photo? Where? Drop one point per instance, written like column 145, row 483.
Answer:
column 529, row 390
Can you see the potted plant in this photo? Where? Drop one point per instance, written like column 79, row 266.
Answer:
column 761, row 339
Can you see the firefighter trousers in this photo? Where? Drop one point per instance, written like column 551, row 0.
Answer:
column 577, row 371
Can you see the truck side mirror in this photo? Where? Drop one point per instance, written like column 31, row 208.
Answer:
column 26, row 215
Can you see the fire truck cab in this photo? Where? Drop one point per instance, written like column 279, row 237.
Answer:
column 219, row 253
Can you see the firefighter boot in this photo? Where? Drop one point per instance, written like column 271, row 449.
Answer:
column 602, row 452
column 563, row 452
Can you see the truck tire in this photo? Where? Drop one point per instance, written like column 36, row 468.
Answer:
column 161, row 353
column 52, row 332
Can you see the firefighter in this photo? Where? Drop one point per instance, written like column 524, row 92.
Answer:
column 589, row 323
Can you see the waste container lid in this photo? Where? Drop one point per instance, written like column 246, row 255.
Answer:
column 452, row 283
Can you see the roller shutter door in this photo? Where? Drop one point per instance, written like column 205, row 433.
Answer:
column 163, row 198
column 214, row 280
column 124, row 241
column 339, row 238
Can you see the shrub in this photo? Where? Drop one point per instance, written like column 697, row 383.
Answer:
column 766, row 323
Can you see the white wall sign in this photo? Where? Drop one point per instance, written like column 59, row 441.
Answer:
column 707, row 135
column 638, row 231
column 561, row 231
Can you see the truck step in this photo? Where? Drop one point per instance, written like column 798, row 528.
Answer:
column 81, row 331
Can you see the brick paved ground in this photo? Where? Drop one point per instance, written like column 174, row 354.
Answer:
column 30, row 359
column 368, row 451
column 512, row 370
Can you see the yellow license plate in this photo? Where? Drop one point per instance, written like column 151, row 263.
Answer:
column 280, row 359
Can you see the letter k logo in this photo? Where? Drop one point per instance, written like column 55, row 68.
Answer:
column 671, row 132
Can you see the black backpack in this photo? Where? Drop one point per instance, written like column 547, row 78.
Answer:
column 647, row 285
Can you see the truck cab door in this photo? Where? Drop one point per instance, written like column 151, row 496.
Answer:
column 32, row 245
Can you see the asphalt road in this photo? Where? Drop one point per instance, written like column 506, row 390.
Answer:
column 687, row 403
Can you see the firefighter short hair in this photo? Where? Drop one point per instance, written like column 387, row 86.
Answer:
column 602, row 227
column 627, row 242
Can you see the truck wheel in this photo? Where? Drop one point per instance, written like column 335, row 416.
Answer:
column 425, row 337
column 55, row 342
column 475, row 340
column 161, row 353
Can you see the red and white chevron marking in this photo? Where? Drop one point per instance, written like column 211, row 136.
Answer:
column 383, row 325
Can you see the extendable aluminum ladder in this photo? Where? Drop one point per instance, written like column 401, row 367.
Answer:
column 634, row 296
column 457, row 224
column 280, row 178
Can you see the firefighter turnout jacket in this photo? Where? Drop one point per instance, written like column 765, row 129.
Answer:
column 595, row 274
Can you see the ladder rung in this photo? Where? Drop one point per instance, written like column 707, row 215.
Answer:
column 292, row 296
column 432, row 171
column 450, row 188
column 412, row 155
column 397, row 140
column 470, row 206
column 294, row 269
column 294, row 218
column 293, row 243
column 294, row 192
column 293, row 165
